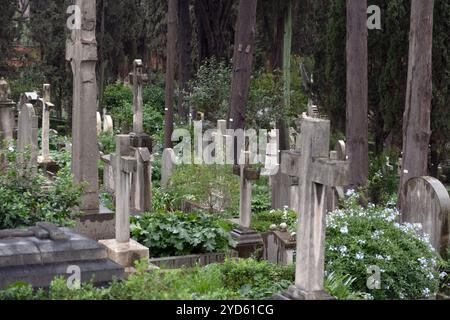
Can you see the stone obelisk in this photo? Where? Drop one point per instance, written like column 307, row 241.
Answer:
column 81, row 51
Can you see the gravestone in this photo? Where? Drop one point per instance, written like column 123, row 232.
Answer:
column 167, row 167
column 123, row 250
column 280, row 183
column 27, row 135
column 99, row 123
column 248, row 241
column 39, row 254
column 44, row 159
column 6, row 112
column 280, row 247
column 81, row 52
column 141, row 143
column 108, row 124
column 316, row 172
column 428, row 203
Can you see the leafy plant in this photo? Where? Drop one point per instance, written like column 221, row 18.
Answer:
column 178, row 233
column 261, row 221
column 358, row 238
column 27, row 197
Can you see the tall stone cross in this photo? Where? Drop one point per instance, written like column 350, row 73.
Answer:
column 81, row 51
column 47, row 106
column 138, row 78
column 316, row 172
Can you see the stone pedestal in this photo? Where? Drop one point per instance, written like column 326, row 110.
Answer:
column 279, row 248
column 97, row 226
column 249, row 242
column 125, row 254
column 294, row 293
column 48, row 165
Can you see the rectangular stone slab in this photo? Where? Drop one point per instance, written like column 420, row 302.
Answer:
column 32, row 251
column 100, row 272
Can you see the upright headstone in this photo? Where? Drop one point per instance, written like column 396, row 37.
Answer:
column 167, row 167
column 123, row 250
column 428, row 203
column 280, row 182
column 108, row 124
column 6, row 112
column 99, row 123
column 27, row 134
column 316, row 171
column 81, row 51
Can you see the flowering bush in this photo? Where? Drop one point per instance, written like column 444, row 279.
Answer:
column 363, row 239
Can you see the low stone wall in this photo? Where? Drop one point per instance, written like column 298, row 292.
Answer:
column 191, row 261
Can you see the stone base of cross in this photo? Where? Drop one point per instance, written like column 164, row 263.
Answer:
column 316, row 172
column 123, row 250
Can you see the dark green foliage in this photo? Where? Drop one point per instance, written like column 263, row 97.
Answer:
column 178, row 233
column 26, row 198
column 261, row 221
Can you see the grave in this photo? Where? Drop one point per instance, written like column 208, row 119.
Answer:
column 248, row 241
column 428, row 203
column 81, row 52
column 280, row 247
column 6, row 112
column 27, row 135
column 316, row 171
column 167, row 167
column 39, row 254
column 124, row 250
column 44, row 160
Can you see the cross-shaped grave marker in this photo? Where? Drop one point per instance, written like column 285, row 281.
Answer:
column 316, row 172
column 123, row 250
column 138, row 78
column 247, row 240
column 47, row 106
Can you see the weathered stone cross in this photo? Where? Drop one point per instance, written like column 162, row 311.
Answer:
column 81, row 51
column 47, row 106
column 316, row 171
column 138, row 78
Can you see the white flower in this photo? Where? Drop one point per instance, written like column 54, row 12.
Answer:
column 379, row 257
column 343, row 249
column 11, row 148
column 388, row 258
column 430, row 276
column 426, row 292
column 350, row 192
column 344, row 230
column 359, row 256
column 443, row 275
column 361, row 242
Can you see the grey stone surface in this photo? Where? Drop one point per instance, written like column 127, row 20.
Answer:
column 316, row 172
column 428, row 203
column 81, row 51
column 167, row 167
column 39, row 260
column 27, row 134
column 6, row 112
column 138, row 78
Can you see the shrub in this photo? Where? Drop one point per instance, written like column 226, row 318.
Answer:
column 202, row 183
column 178, row 233
column 361, row 237
column 108, row 142
column 27, row 198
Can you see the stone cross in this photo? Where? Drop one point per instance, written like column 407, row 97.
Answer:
column 81, row 51
column 142, row 180
column 6, row 112
column 428, row 203
column 246, row 176
column 316, row 172
column 125, row 166
column 47, row 106
column 27, row 134
column 138, row 78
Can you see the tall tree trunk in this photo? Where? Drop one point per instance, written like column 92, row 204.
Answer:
column 185, row 62
column 416, row 119
column 242, row 64
column 357, row 92
column 170, row 71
